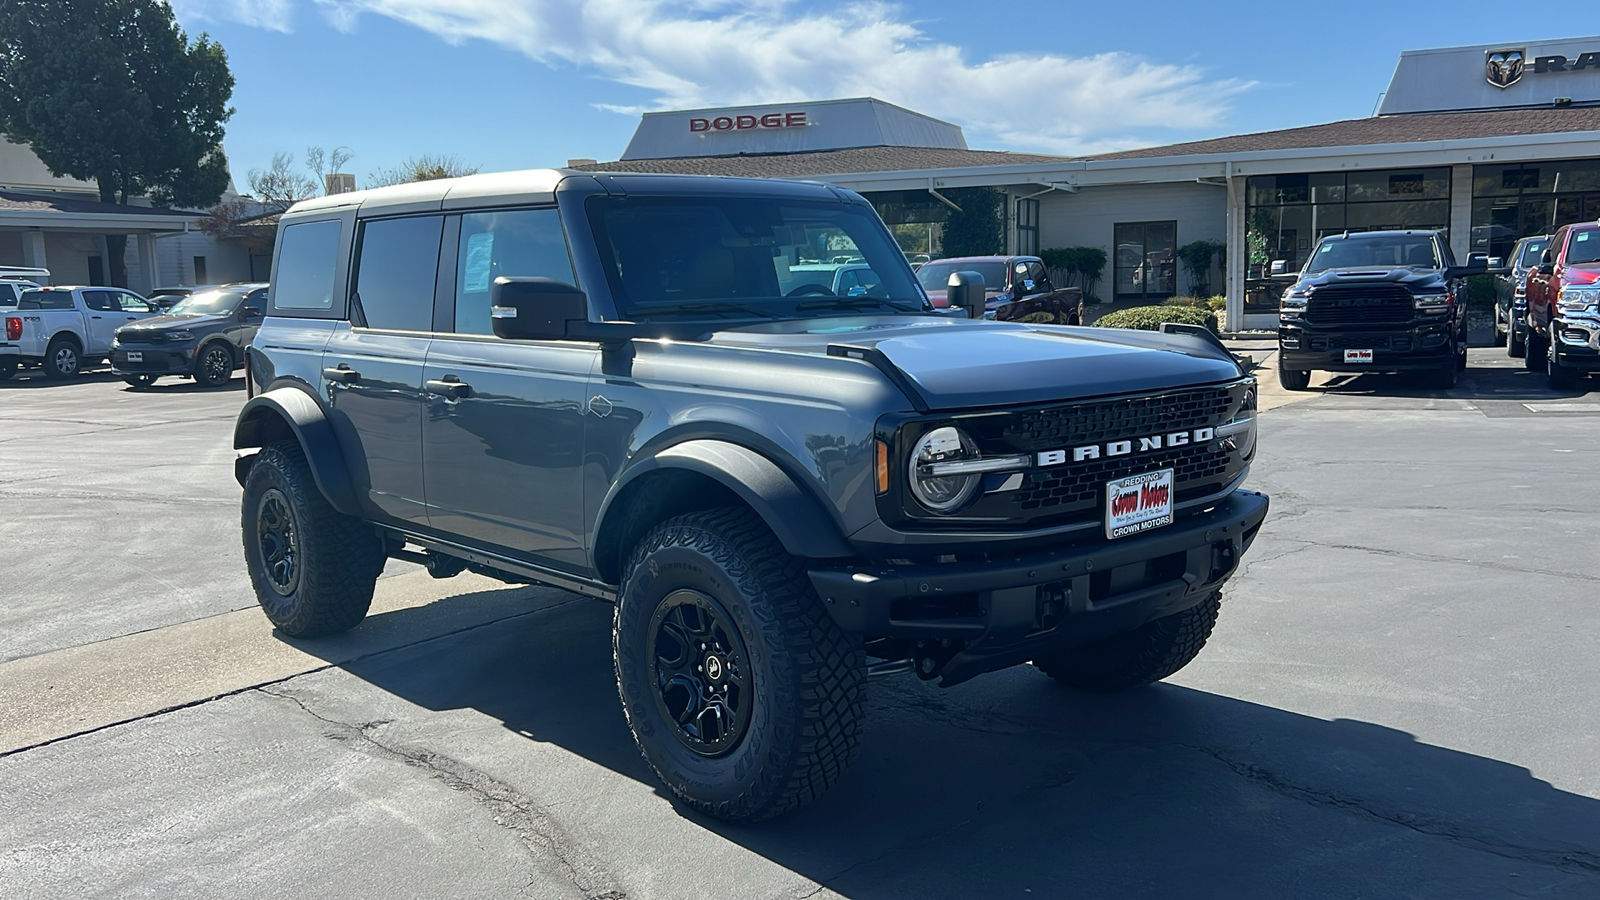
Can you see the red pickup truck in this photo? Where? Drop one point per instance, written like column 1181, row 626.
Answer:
column 1564, row 306
column 1015, row 285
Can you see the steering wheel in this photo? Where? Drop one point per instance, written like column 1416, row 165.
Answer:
column 805, row 289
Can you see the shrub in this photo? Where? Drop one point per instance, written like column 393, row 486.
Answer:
column 1038, row 318
column 1193, row 302
column 1149, row 318
column 1480, row 292
column 1217, row 303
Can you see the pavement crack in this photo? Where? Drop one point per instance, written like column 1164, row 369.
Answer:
column 508, row 807
column 1568, row 859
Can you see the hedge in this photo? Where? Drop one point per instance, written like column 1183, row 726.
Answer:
column 1149, row 318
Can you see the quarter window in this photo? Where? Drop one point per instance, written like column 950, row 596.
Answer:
column 395, row 274
column 514, row 243
column 308, row 255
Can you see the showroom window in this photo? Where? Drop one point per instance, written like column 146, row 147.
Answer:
column 1525, row 199
column 1286, row 215
column 1146, row 259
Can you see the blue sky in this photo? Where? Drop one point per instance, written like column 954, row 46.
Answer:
column 508, row 84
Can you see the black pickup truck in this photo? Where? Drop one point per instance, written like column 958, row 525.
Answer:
column 1377, row 301
column 631, row 387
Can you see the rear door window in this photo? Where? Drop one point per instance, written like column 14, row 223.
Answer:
column 396, row 270
column 308, row 260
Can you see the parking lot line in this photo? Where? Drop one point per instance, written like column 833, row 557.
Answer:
column 69, row 692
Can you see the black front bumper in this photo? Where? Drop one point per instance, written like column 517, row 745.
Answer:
column 1409, row 349
column 154, row 361
column 1007, row 611
column 1575, row 342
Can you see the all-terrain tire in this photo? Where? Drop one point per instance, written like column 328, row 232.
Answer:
column 804, row 719
column 333, row 560
column 62, row 359
column 1292, row 380
column 1147, row 654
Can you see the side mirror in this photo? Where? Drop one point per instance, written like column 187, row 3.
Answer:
column 965, row 290
column 536, row 309
column 1496, row 262
column 1279, row 267
column 250, row 312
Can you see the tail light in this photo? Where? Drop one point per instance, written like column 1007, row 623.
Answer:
column 13, row 328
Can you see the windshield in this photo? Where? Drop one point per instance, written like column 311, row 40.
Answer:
column 1531, row 251
column 207, row 303
column 1584, row 247
column 748, row 257
column 935, row 276
column 1390, row 250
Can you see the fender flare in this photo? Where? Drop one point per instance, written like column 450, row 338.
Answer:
column 304, row 418
column 796, row 517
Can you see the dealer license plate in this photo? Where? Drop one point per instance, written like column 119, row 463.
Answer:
column 1358, row 356
column 1138, row 503
column 135, row 356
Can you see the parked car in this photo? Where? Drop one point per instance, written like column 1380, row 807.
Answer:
column 1016, row 286
column 1510, row 296
column 202, row 337
column 839, row 279
column 11, row 291
column 1377, row 301
column 165, row 297
column 1564, row 306
column 25, row 273
column 781, row 495
column 63, row 329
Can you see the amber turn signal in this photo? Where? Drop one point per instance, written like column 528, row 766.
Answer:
column 883, row 467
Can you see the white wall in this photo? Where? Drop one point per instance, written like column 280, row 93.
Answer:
column 21, row 170
column 225, row 261
column 1088, row 218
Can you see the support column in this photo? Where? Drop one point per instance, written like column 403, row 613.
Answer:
column 1238, row 255
column 1461, row 212
column 146, row 244
column 33, row 255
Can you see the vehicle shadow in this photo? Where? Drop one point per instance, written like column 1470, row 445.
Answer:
column 1012, row 786
column 35, row 378
column 1476, row 383
column 177, row 384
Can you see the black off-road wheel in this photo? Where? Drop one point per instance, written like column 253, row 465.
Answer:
column 214, row 367
column 1292, row 380
column 312, row 567
column 743, row 694
column 140, row 382
column 62, row 359
column 1147, row 654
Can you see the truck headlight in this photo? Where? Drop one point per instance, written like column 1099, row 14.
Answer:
column 947, row 469
column 180, row 335
column 1240, row 431
column 1435, row 302
column 1579, row 299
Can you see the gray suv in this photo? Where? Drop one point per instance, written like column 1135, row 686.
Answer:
column 626, row 386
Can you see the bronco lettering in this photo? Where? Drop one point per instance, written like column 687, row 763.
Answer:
column 1049, row 458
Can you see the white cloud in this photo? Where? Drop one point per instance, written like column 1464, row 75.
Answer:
column 273, row 15
column 695, row 53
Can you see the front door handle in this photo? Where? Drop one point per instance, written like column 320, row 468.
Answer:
column 342, row 375
column 450, row 387
column 94, row 317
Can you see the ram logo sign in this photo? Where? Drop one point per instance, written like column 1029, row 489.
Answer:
column 1504, row 68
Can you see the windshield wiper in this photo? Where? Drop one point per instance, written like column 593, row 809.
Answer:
column 709, row 306
column 854, row 303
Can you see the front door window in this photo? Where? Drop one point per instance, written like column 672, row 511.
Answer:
column 1146, row 259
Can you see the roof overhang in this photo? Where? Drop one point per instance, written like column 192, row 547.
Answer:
column 95, row 223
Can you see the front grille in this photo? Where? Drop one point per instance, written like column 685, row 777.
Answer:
column 1401, row 342
column 1112, row 420
column 1075, row 491
column 141, row 337
column 1338, row 305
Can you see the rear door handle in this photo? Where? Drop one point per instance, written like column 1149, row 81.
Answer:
column 94, row 317
column 342, row 375
column 450, row 387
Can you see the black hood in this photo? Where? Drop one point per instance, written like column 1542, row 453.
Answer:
column 961, row 364
column 194, row 322
column 1412, row 278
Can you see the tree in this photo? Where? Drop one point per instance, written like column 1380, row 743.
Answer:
column 114, row 92
column 281, row 185
column 978, row 229
column 1197, row 257
column 426, row 167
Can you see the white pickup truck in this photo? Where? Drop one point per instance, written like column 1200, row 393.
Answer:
column 62, row 328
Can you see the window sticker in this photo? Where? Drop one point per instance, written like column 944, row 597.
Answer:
column 480, row 254
column 1583, row 236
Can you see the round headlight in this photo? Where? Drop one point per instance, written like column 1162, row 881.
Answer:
column 943, row 493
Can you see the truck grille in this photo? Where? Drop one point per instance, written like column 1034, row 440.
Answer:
column 1338, row 305
column 1075, row 491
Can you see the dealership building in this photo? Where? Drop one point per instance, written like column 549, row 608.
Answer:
column 1486, row 143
